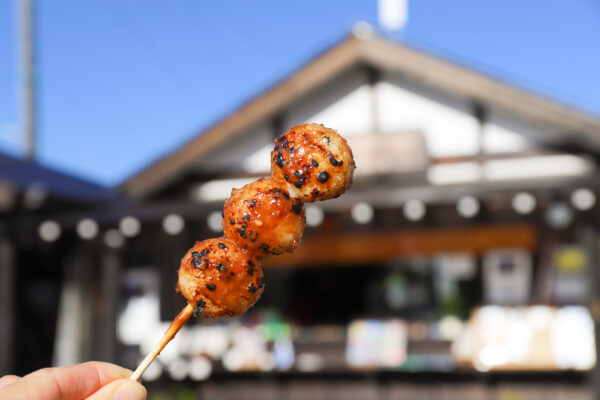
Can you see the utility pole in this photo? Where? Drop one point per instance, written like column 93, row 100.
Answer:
column 28, row 74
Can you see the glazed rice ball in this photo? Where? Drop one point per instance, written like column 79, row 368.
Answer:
column 219, row 278
column 315, row 162
column 262, row 217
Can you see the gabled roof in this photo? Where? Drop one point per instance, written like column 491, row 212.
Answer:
column 384, row 55
column 21, row 174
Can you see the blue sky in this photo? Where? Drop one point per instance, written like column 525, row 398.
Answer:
column 122, row 82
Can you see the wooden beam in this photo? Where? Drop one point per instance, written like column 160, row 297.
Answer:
column 322, row 69
column 458, row 80
column 378, row 246
column 383, row 55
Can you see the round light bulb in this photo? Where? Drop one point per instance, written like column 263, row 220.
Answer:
column 583, row 199
column 559, row 215
column 114, row 239
column 215, row 221
column 87, row 229
column 130, row 226
column 49, row 231
column 524, row 203
column 468, row 206
column 362, row 213
column 314, row 215
column 173, row 224
column 414, row 210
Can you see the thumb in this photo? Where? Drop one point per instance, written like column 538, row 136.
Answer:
column 122, row 389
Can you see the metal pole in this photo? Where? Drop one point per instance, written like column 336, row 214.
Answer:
column 28, row 75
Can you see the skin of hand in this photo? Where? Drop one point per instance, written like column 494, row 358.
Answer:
column 91, row 381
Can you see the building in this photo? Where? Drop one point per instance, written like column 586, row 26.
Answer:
column 33, row 247
column 454, row 168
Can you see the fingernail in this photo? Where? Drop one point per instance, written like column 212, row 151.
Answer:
column 130, row 391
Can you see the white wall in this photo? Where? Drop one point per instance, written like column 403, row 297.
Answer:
column 509, row 133
column 447, row 123
column 449, row 127
column 343, row 104
column 249, row 151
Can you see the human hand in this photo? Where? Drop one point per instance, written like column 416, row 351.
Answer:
column 90, row 381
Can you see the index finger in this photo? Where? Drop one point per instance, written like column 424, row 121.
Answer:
column 64, row 383
column 8, row 379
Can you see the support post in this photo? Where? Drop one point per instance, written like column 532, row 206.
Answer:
column 372, row 78
column 110, row 270
column 7, row 306
column 590, row 241
column 73, row 329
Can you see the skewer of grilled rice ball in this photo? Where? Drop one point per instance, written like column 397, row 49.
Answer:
column 263, row 218
column 314, row 161
column 222, row 277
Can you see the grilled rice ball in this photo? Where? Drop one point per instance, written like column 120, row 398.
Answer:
column 219, row 278
column 315, row 161
column 263, row 218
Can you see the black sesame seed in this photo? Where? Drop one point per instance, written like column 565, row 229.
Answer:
column 328, row 140
column 297, row 208
column 300, row 182
column 323, row 177
column 211, row 287
column 335, row 162
column 291, row 150
column 197, row 263
column 279, row 160
column 199, row 309
column 221, row 267
column 264, row 246
column 252, row 288
column 204, row 252
column 246, row 217
column 250, row 263
column 315, row 192
column 242, row 232
column 314, row 163
column 261, row 282
column 287, row 196
column 222, row 245
column 253, row 203
column 281, row 139
column 195, row 254
column 232, row 221
column 250, row 271
column 286, row 177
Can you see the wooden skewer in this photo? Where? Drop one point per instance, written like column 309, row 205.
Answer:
column 177, row 323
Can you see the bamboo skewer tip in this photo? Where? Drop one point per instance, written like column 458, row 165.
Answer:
column 177, row 323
